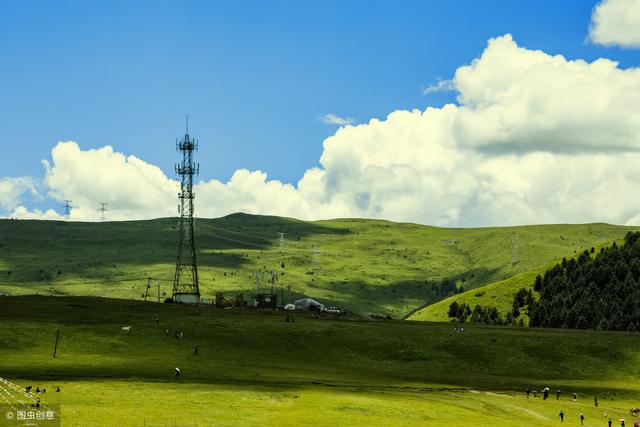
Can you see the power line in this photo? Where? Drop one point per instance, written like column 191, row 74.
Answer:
column 103, row 209
column 514, row 249
column 67, row 208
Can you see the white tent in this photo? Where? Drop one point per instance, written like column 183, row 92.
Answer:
column 308, row 304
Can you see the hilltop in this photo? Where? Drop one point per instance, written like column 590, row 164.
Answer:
column 366, row 266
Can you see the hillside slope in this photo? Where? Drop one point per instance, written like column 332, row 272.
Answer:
column 367, row 266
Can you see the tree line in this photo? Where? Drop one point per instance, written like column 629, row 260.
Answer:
column 593, row 291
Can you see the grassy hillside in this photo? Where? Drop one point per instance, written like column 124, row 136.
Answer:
column 364, row 265
column 252, row 368
column 499, row 294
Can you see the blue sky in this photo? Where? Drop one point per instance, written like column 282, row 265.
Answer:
column 254, row 76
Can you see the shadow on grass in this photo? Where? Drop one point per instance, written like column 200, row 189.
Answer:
column 45, row 251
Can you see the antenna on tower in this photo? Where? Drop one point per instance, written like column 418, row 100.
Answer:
column 102, row 209
column 67, row 208
column 186, row 287
column 187, row 119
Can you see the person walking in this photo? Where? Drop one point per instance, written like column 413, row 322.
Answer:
column 581, row 419
column 575, row 397
column 595, row 401
column 528, row 391
column 178, row 373
column 561, row 415
column 557, row 394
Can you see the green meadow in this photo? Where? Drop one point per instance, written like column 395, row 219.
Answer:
column 252, row 368
column 365, row 266
column 249, row 367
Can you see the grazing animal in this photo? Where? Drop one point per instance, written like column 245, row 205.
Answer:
column 635, row 412
column 126, row 329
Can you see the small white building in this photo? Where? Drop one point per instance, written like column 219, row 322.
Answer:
column 308, row 304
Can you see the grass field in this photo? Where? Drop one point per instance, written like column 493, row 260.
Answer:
column 252, row 368
column 365, row 266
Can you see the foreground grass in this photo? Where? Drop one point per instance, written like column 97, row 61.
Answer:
column 138, row 403
column 366, row 266
column 252, row 368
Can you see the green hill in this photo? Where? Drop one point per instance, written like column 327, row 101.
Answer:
column 254, row 369
column 366, row 266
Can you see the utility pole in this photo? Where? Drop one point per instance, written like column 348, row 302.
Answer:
column 55, row 347
column 281, row 240
column 102, row 209
column 314, row 257
column 514, row 249
column 146, row 294
column 67, row 208
column 257, row 282
column 186, row 288
column 274, row 277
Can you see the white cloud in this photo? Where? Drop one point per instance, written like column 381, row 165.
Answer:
column 12, row 191
column 616, row 22
column 332, row 119
column 535, row 138
column 22, row 212
column 132, row 187
column 440, row 85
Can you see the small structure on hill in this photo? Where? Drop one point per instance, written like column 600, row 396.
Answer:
column 266, row 300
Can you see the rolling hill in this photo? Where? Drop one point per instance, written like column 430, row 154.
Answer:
column 366, row 266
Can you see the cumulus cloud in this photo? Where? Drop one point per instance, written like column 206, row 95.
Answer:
column 21, row 212
column 131, row 186
column 533, row 138
column 616, row 22
column 332, row 119
column 13, row 189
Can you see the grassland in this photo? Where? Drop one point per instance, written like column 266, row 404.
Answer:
column 365, row 266
column 254, row 369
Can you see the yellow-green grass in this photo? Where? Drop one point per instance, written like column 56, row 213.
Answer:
column 366, row 266
column 140, row 403
column 251, row 364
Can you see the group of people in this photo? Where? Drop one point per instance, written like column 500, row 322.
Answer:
column 178, row 333
column 38, row 390
column 545, row 395
column 561, row 415
column 28, row 389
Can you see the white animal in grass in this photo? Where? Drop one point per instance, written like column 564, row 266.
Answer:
column 126, row 329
